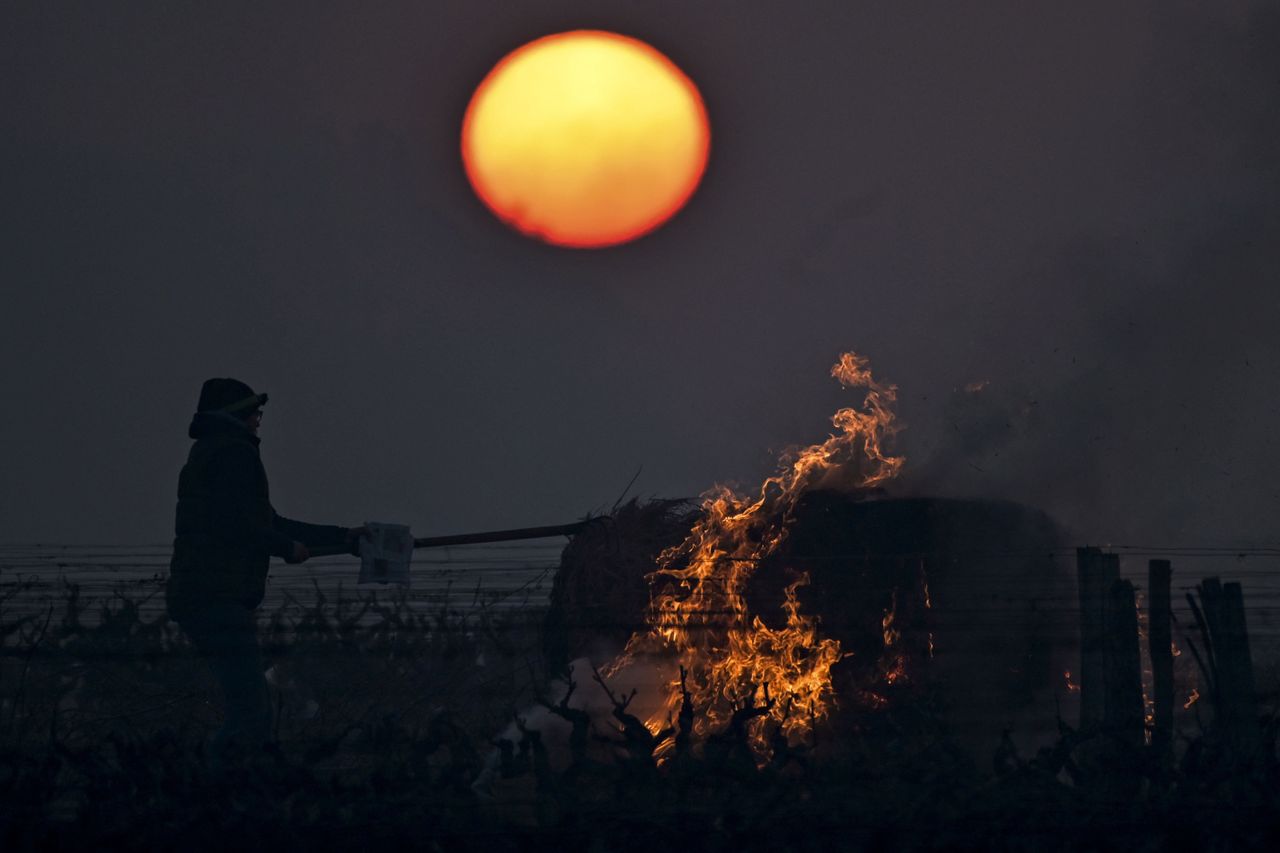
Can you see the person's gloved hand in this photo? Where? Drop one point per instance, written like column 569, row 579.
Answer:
column 354, row 535
column 299, row 554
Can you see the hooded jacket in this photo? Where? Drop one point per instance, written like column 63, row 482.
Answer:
column 225, row 528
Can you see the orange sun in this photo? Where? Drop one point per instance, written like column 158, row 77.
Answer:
column 585, row 139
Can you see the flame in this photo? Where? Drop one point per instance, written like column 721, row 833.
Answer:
column 1148, row 674
column 928, row 602
column 894, row 662
column 891, row 634
column 1186, row 672
column 697, row 613
column 1071, row 687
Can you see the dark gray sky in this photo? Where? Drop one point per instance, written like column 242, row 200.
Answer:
column 1073, row 202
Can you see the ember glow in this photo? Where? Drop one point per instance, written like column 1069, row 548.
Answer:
column 698, row 616
column 895, row 663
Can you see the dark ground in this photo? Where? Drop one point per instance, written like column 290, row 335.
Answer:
column 386, row 721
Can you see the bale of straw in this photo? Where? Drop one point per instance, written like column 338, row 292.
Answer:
column 981, row 600
column 979, row 575
column 601, row 589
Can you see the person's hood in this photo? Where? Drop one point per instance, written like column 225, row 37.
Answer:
column 210, row 424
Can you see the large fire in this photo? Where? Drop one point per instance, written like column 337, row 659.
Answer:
column 698, row 618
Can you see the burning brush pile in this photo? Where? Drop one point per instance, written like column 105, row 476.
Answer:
column 793, row 607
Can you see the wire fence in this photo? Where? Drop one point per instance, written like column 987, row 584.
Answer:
column 470, row 627
column 462, row 578
column 506, row 577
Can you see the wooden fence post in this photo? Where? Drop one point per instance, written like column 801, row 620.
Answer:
column 1211, row 608
column 1160, row 639
column 1235, row 668
column 1228, row 666
column 1123, row 709
column 1095, row 573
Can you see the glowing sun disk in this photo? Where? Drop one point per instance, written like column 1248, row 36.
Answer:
column 585, row 139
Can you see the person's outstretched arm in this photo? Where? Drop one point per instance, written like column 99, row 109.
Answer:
column 311, row 535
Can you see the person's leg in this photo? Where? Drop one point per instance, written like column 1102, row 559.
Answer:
column 226, row 636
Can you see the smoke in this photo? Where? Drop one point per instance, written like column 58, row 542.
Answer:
column 1158, row 427
column 1145, row 411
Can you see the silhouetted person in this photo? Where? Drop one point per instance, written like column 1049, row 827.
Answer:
column 226, row 531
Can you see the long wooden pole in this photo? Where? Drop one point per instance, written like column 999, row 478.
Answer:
column 503, row 535
column 513, row 535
